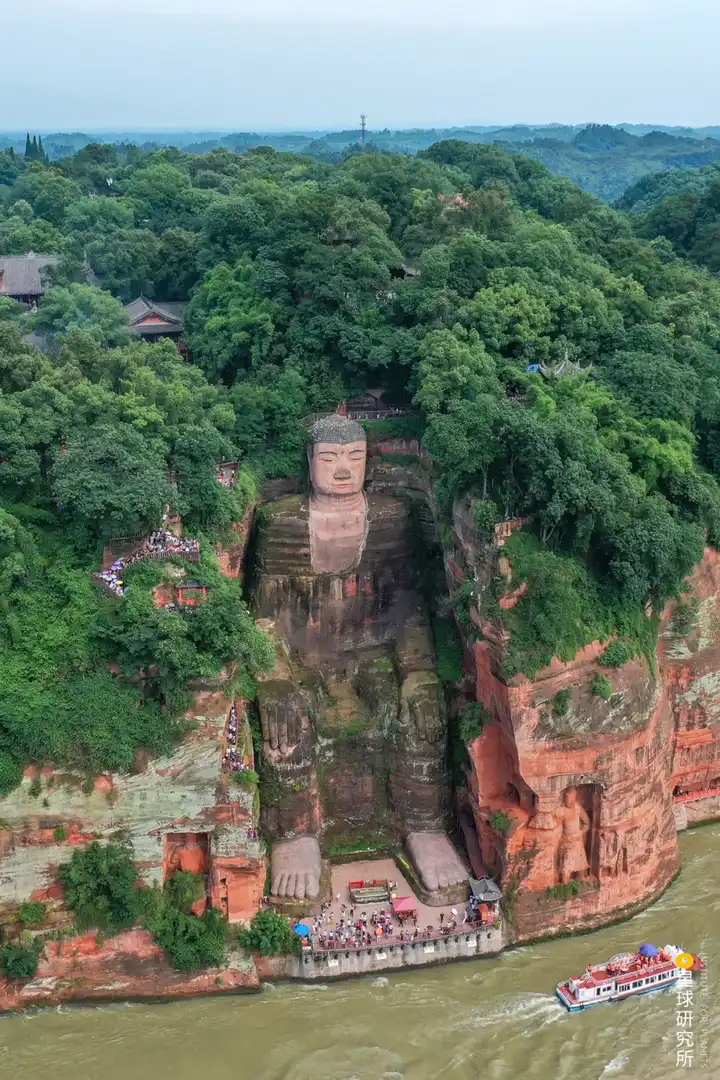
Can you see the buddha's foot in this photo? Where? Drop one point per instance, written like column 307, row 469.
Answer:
column 295, row 869
column 436, row 860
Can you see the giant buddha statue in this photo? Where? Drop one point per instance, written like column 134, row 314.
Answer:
column 353, row 718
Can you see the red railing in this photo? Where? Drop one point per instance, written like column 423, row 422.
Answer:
column 691, row 796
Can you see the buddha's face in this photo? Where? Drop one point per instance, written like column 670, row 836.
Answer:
column 338, row 468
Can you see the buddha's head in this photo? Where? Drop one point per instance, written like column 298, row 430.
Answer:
column 337, row 453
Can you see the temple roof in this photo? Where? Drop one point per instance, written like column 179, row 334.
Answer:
column 21, row 275
column 485, row 889
column 149, row 317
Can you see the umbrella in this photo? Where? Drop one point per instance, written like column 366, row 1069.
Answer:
column 648, row 950
column 302, row 930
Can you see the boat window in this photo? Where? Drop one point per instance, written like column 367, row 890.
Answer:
column 597, row 992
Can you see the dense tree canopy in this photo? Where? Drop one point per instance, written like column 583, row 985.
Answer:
column 445, row 279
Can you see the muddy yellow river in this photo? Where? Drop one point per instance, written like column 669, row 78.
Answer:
column 481, row 1020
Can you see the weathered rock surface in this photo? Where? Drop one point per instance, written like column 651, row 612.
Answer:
column 178, row 812
column 130, row 966
column 574, row 812
column 689, row 654
column 354, row 727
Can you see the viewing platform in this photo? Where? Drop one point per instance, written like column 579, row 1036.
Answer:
column 161, row 544
column 400, row 930
column 227, row 473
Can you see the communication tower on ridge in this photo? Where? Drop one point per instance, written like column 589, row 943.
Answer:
column 363, row 119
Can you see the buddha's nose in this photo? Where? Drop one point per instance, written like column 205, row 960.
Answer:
column 342, row 474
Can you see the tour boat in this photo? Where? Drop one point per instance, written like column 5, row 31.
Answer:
column 628, row 974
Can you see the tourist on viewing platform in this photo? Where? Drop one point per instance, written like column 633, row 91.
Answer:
column 161, row 543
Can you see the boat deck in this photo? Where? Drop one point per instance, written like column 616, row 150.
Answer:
column 631, row 979
column 601, row 974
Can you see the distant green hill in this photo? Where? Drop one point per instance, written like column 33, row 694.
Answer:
column 655, row 187
column 606, row 161
column 602, row 159
column 688, row 215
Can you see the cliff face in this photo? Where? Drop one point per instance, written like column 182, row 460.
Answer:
column 573, row 803
column 179, row 812
column 128, row 966
column 689, row 653
column 590, row 812
column 232, row 555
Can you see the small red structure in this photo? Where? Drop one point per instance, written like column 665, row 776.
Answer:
column 369, row 892
column 192, row 594
column 404, row 907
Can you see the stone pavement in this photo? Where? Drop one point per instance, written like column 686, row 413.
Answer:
column 343, row 874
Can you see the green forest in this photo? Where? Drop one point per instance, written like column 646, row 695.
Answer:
column 602, row 159
column 297, row 273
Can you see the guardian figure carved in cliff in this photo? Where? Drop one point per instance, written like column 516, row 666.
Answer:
column 353, row 718
column 572, row 856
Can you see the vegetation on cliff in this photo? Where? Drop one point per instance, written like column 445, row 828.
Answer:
column 270, row 934
column 100, row 887
column 88, row 438
column 19, row 960
column 444, row 278
column 102, row 890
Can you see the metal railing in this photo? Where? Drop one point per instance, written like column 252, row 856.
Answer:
column 334, row 945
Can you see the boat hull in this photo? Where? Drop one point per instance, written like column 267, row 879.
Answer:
column 574, row 1006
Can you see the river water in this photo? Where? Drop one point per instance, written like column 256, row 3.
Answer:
column 480, row 1020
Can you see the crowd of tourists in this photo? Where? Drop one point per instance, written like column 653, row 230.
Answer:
column 227, row 476
column 232, row 759
column 357, row 930
column 160, row 544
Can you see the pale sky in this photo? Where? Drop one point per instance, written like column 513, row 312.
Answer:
column 243, row 65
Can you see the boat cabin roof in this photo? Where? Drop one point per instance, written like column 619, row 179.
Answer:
column 599, row 973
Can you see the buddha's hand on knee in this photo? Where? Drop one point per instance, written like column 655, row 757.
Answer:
column 268, row 726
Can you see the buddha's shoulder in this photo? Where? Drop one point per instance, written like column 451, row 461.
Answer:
column 386, row 508
column 292, row 508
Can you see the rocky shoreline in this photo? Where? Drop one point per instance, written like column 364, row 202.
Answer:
column 128, row 967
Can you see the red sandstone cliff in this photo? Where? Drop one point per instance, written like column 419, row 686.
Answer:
column 689, row 654
column 129, row 966
column 575, row 812
column 618, row 839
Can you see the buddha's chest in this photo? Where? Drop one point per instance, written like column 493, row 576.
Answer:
column 337, row 540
